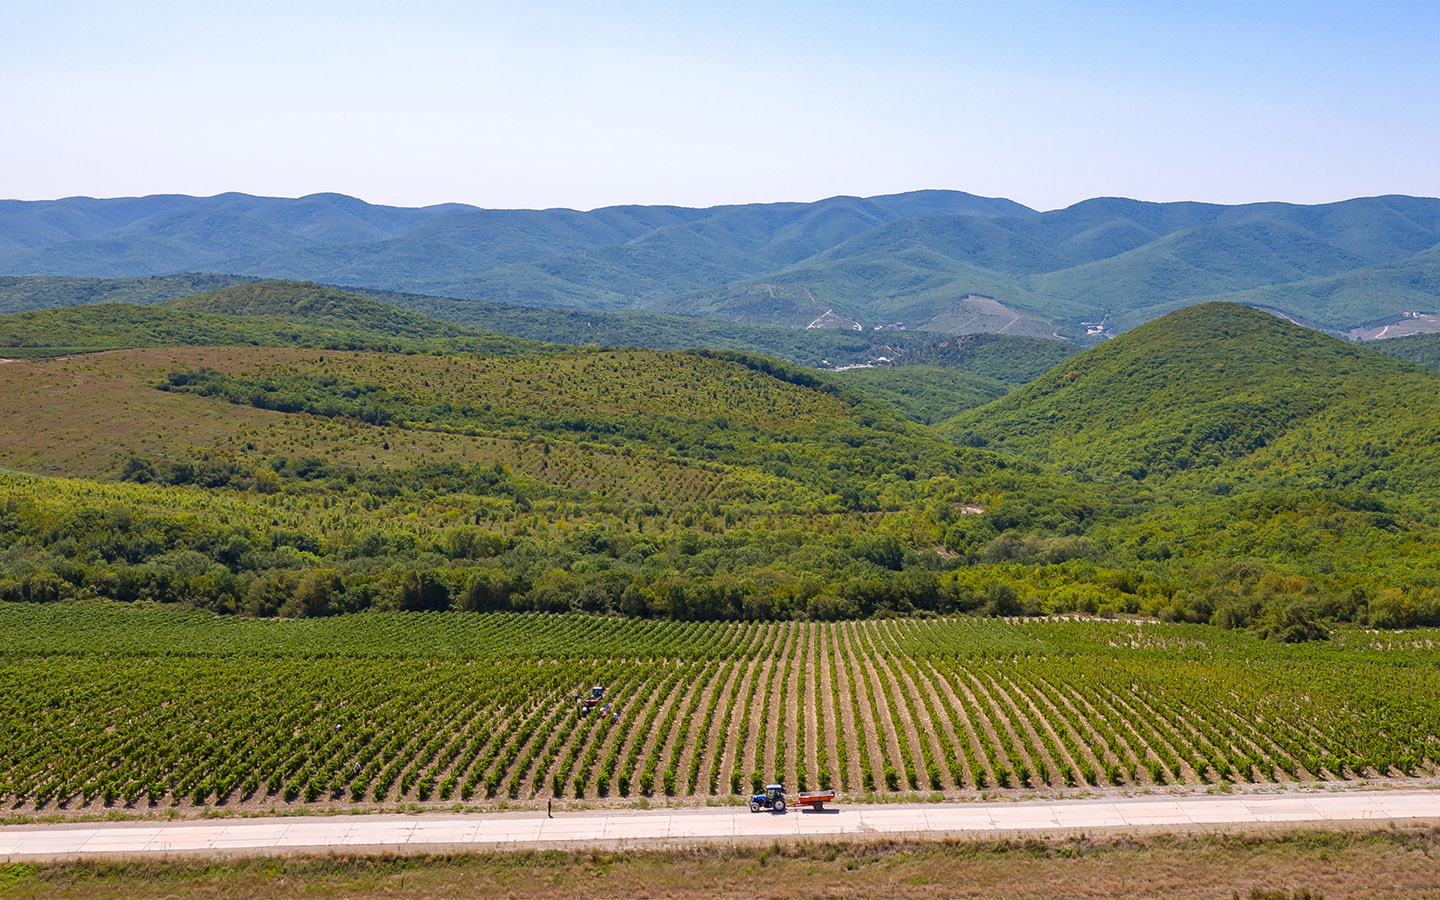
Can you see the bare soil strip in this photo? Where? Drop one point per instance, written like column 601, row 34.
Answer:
column 946, row 717
column 947, row 689
column 810, row 695
column 1025, row 744
column 1054, row 721
column 829, row 732
column 670, row 748
column 887, row 720
column 1092, row 740
column 622, row 728
column 1025, row 715
column 916, row 697
column 731, row 747
column 647, row 732
column 850, row 732
column 535, row 781
column 933, row 729
column 1001, row 731
column 1128, row 707
column 867, row 717
column 908, row 700
column 1140, row 749
column 709, row 738
column 756, row 742
column 632, row 718
column 763, row 722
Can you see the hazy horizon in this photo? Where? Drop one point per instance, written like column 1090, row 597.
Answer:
column 703, row 104
column 777, row 200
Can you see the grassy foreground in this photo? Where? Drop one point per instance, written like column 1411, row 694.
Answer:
column 1300, row 864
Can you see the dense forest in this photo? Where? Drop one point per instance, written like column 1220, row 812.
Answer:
column 290, row 450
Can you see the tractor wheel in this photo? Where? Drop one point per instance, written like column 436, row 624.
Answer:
column 780, row 806
column 754, row 806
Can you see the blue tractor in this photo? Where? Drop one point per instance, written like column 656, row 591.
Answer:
column 772, row 798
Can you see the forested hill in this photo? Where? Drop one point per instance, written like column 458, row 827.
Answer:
column 1214, row 385
column 940, row 261
column 1422, row 349
column 329, row 316
column 273, row 314
column 1220, row 464
column 317, row 304
column 26, row 292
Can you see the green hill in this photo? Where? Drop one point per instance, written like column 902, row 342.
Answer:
column 1009, row 359
column 926, row 394
column 1202, row 389
column 1421, row 349
column 1219, row 464
column 18, row 294
column 1255, row 472
column 694, row 485
column 275, row 314
column 320, row 306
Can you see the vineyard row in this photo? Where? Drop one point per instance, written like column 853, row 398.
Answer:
column 878, row 706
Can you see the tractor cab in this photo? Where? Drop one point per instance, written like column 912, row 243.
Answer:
column 597, row 693
column 772, row 798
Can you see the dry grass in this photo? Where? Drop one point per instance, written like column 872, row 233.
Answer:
column 1388, row 863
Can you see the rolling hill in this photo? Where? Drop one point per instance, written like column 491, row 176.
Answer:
column 942, row 261
column 1421, row 349
column 448, row 531
column 1218, row 464
column 277, row 314
column 815, row 347
column 1282, row 476
column 1221, row 388
column 27, row 292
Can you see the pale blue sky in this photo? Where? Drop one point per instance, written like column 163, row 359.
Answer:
column 591, row 103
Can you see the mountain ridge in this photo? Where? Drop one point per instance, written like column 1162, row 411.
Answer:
column 1097, row 267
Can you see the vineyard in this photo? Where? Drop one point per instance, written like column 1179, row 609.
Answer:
column 103, row 706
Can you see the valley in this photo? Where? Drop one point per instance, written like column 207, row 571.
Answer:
column 600, row 450
column 276, row 547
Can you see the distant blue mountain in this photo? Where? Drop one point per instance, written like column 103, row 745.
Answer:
column 937, row 260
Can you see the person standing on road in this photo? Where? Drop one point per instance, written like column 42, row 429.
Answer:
column 550, row 808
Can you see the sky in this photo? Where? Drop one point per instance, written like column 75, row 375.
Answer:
column 588, row 104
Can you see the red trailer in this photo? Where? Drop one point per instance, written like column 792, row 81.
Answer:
column 773, row 799
column 815, row 799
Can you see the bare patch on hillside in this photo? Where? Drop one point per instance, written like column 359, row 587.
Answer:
column 1407, row 324
column 975, row 315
